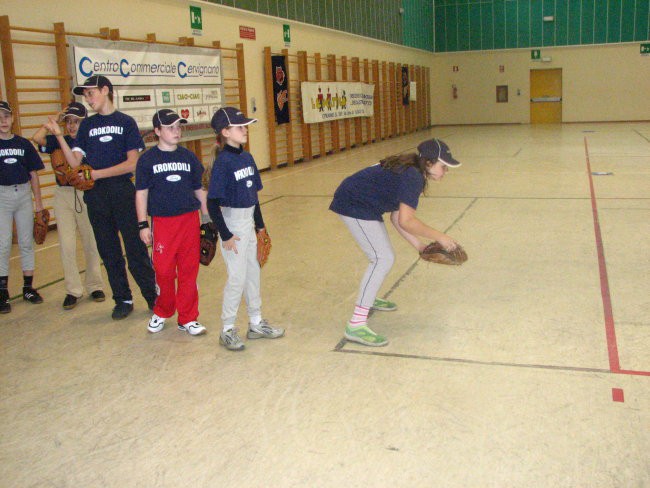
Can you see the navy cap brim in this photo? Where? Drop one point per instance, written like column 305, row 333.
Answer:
column 449, row 161
column 172, row 122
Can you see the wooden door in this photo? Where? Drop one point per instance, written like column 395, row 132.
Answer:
column 545, row 96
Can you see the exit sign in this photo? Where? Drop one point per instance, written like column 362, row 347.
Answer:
column 535, row 54
column 286, row 34
column 196, row 21
column 645, row 49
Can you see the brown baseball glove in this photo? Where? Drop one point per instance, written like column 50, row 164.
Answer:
column 435, row 253
column 263, row 247
column 80, row 177
column 41, row 225
column 209, row 238
column 60, row 166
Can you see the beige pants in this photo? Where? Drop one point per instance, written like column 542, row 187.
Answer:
column 72, row 214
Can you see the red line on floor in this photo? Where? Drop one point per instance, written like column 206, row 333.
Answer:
column 610, row 330
column 631, row 372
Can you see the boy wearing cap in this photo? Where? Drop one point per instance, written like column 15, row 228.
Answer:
column 19, row 163
column 235, row 209
column 394, row 185
column 72, row 215
column 111, row 143
column 168, row 187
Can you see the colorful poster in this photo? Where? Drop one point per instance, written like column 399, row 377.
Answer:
column 405, row 86
column 280, row 89
column 148, row 77
column 331, row 100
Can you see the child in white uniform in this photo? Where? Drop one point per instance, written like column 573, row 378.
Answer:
column 19, row 163
column 235, row 210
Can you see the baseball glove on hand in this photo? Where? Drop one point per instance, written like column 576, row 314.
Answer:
column 435, row 253
column 41, row 225
column 263, row 247
column 209, row 237
column 60, row 166
column 80, row 177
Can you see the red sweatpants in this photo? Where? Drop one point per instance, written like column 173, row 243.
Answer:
column 176, row 251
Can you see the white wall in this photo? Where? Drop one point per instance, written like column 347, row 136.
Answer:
column 600, row 83
column 169, row 20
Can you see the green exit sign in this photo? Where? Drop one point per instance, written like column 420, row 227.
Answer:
column 286, row 33
column 535, row 54
column 645, row 49
column 196, row 20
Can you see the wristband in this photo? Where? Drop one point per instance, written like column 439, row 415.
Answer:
column 143, row 225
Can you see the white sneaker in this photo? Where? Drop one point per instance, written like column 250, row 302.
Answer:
column 192, row 328
column 156, row 324
column 263, row 331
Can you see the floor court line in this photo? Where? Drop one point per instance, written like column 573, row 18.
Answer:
column 341, row 344
column 610, row 329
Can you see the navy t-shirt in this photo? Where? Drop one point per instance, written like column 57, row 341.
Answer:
column 17, row 158
column 235, row 179
column 171, row 178
column 104, row 140
column 373, row 191
column 52, row 144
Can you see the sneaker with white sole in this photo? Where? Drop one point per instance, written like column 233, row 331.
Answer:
column 156, row 324
column 263, row 331
column 31, row 295
column 192, row 328
column 384, row 305
column 231, row 340
column 365, row 335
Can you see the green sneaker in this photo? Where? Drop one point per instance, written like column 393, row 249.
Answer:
column 364, row 335
column 384, row 305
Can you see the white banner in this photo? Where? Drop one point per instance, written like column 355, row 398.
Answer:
column 149, row 77
column 332, row 100
column 134, row 63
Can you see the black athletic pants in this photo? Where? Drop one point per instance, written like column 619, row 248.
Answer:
column 111, row 209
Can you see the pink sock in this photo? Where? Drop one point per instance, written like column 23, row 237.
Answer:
column 359, row 317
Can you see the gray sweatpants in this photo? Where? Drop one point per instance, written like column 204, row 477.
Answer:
column 16, row 203
column 372, row 237
column 243, row 268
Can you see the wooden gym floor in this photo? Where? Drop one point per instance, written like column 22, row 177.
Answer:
column 529, row 366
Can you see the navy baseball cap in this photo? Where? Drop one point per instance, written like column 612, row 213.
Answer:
column 95, row 81
column 167, row 117
column 5, row 106
column 229, row 116
column 436, row 150
column 75, row 109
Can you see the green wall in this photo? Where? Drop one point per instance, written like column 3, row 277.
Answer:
column 469, row 25
column 472, row 25
column 417, row 24
column 378, row 19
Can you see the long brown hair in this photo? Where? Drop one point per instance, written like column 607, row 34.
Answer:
column 397, row 163
column 207, row 174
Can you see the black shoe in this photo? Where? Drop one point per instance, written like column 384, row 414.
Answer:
column 98, row 296
column 69, row 302
column 122, row 310
column 31, row 295
column 4, row 301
